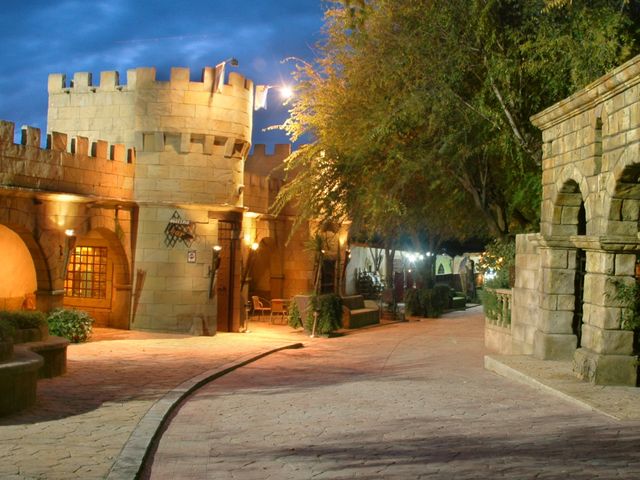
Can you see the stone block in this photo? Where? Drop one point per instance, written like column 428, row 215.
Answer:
column 183, row 110
column 569, row 215
column 602, row 317
column 625, row 264
column 548, row 346
column 179, row 77
column 58, row 141
column 605, row 369
column 630, row 210
column 600, row 262
column 554, row 258
column 557, row 281
column 31, row 136
column 82, row 81
column 566, row 302
column 600, row 289
column 549, row 302
column 611, row 342
column 109, row 80
column 555, row 321
column 56, row 82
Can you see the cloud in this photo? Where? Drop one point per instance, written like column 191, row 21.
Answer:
column 40, row 37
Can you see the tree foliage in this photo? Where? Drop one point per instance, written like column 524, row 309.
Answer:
column 419, row 110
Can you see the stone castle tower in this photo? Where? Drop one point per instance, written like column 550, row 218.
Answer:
column 190, row 141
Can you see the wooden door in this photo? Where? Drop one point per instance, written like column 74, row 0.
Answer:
column 228, row 281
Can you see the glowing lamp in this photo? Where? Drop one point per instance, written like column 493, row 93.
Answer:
column 286, row 92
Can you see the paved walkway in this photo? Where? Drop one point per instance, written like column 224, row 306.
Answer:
column 401, row 401
column 82, row 420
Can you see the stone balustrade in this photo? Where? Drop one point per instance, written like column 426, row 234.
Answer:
column 500, row 315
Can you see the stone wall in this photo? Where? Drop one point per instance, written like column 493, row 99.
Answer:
column 526, row 294
column 74, row 166
column 589, row 239
column 283, row 267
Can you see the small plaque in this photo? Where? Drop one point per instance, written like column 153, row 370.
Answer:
column 191, row 256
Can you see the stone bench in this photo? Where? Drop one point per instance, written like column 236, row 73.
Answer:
column 356, row 314
column 30, row 361
column 53, row 351
column 18, row 379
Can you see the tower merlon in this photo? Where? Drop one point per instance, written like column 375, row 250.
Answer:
column 145, row 77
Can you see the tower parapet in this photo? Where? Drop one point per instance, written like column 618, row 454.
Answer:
column 116, row 111
column 75, row 166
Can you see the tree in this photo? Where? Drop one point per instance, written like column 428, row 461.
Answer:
column 422, row 117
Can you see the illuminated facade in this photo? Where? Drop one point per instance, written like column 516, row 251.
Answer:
column 141, row 213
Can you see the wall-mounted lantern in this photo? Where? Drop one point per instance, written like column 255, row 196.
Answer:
column 213, row 268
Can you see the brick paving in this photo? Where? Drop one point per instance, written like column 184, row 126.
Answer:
column 82, row 420
column 400, row 401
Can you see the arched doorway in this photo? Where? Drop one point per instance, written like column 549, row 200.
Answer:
column 98, row 279
column 16, row 264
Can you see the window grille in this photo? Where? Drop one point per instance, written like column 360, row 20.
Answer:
column 87, row 273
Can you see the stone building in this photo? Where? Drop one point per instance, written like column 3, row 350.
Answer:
column 137, row 212
column 564, row 302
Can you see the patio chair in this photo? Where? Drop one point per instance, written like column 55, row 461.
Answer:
column 261, row 306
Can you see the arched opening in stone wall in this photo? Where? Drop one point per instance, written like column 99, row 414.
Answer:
column 625, row 203
column 267, row 277
column 570, row 219
column 624, row 220
column 98, row 279
column 17, row 271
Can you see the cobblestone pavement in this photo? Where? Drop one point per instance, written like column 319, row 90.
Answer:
column 82, row 420
column 401, row 401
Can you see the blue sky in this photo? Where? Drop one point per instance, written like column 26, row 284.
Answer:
column 66, row 36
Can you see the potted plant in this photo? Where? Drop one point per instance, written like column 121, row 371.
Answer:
column 74, row 325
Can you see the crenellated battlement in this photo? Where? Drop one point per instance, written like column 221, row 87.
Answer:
column 145, row 77
column 118, row 113
column 59, row 142
column 72, row 165
column 268, row 164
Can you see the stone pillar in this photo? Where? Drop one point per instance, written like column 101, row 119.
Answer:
column 554, row 339
column 605, row 356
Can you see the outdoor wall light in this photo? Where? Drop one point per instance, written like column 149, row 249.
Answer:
column 69, row 246
column 254, row 246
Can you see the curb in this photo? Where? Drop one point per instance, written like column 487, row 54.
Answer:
column 496, row 366
column 134, row 452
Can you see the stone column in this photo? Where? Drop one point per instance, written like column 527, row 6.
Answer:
column 605, row 356
column 554, row 339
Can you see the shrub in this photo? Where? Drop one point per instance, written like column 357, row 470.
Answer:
column 412, row 304
column 74, row 325
column 329, row 309
column 490, row 304
column 20, row 319
column 295, row 320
